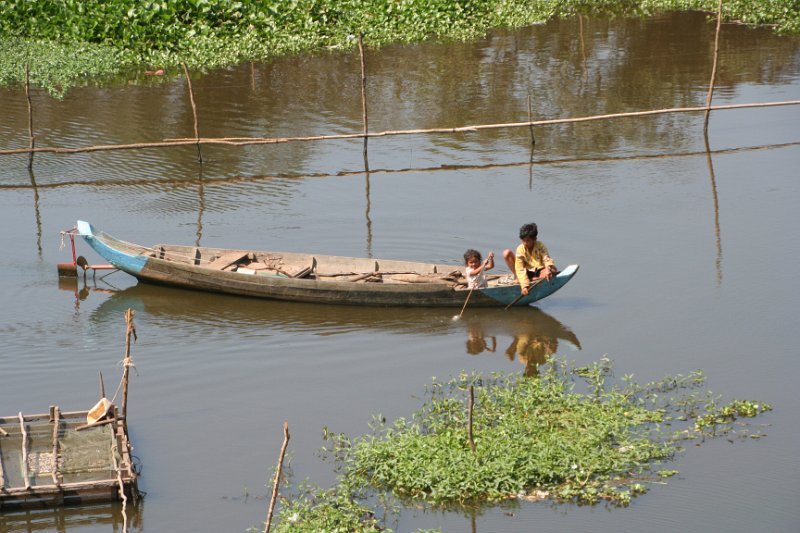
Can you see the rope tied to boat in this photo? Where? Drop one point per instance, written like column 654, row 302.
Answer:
column 65, row 232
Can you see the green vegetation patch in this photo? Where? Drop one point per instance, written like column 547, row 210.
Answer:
column 114, row 35
column 565, row 436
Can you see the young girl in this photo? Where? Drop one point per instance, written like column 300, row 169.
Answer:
column 476, row 271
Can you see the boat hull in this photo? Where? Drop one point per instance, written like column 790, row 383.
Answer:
column 145, row 265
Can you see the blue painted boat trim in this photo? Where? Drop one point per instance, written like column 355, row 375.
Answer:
column 505, row 295
column 132, row 264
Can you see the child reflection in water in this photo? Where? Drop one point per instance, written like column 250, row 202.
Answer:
column 531, row 351
column 477, row 340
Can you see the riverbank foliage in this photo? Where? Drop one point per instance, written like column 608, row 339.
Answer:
column 68, row 42
column 567, row 436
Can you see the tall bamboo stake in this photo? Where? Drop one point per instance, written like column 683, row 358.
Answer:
column 126, row 364
column 469, row 427
column 364, row 96
column 194, row 113
column 277, row 476
column 56, row 422
column 31, row 141
column 25, row 475
column 714, row 67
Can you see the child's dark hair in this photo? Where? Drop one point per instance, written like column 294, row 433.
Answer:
column 529, row 230
column 469, row 254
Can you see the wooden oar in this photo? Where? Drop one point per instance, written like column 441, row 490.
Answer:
column 515, row 300
column 483, row 269
column 518, row 298
column 465, row 303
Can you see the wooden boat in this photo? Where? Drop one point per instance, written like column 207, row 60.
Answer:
column 310, row 278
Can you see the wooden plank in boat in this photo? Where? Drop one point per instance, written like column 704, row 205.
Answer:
column 326, row 266
column 420, row 278
column 225, row 260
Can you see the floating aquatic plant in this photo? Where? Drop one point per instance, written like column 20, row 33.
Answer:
column 565, row 436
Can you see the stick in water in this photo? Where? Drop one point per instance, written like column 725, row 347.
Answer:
column 459, row 315
column 518, row 298
column 277, row 477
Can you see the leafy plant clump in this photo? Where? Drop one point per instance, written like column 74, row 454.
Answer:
column 118, row 34
column 565, row 436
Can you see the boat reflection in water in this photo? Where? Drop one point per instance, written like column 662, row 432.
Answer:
column 527, row 334
column 530, row 336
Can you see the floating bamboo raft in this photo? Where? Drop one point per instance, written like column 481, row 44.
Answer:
column 55, row 458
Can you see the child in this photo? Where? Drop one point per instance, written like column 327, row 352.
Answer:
column 476, row 271
column 531, row 261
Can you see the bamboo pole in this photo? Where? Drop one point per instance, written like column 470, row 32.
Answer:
column 714, row 67
column 364, row 97
column 194, row 114
column 42, row 416
column 245, row 141
column 24, row 452
column 56, row 422
column 469, row 428
column 276, row 483
column 105, row 422
column 480, row 127
column 102, row 386
column 31, row 140
column 43, row 489
column 130, row 329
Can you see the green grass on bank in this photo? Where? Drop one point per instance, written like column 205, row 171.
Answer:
column 69, row 42
column 567, row 436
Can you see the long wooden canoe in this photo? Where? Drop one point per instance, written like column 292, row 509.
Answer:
column 310, row 278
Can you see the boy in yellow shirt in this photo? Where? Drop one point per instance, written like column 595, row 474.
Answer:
column 531, row 261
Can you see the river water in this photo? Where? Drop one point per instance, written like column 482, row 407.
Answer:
column 685, row 247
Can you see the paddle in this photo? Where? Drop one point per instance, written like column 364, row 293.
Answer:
column 458, row 316
column 518, row 298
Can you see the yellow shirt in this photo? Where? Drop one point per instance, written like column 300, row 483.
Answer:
column 536, row 259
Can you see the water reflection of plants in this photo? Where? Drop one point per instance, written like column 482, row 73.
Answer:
column 567, row 436
column 112, row 36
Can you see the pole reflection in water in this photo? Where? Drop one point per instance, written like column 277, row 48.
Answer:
column 36, row 212
column 716, row 208
column 82, row 289
column 201, row 204
column 369, row 220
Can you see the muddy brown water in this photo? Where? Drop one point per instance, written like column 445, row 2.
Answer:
column 688, row 258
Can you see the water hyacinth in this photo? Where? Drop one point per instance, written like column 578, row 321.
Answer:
column 565, row 436
column 113, row 36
